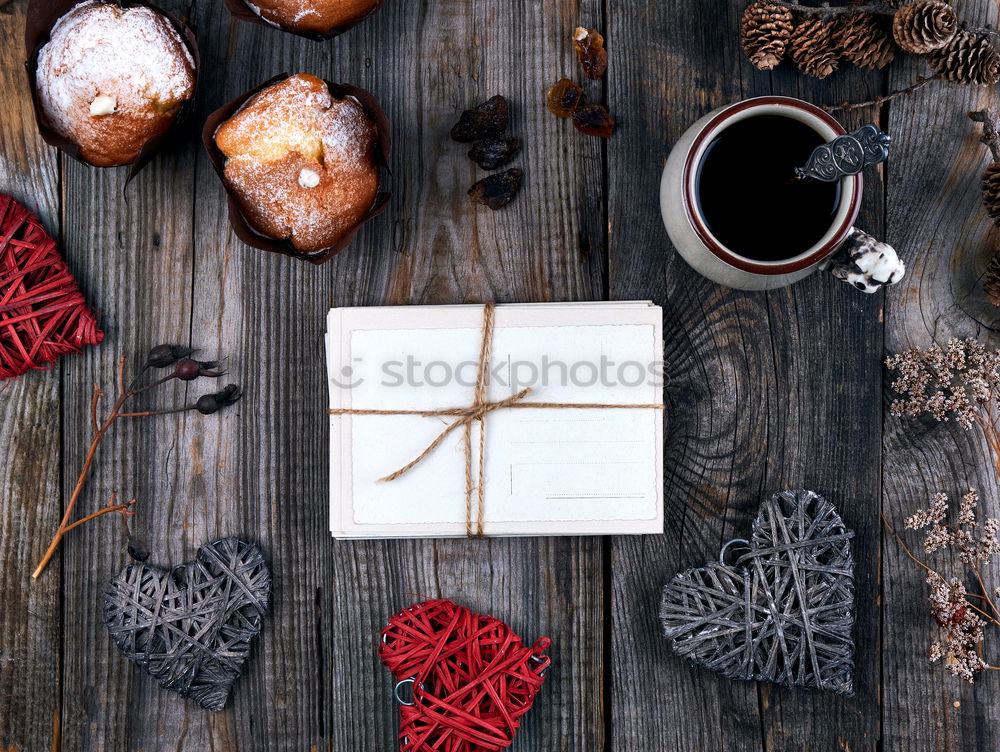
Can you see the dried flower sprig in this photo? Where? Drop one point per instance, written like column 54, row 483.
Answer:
column 961, row 616
column 185, row 368
column 960, row 382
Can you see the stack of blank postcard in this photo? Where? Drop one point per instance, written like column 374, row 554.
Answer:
column 559, row 470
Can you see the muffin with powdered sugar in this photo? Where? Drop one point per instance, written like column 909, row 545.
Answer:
column 110, row 78
column 302, row 164
column 318, row 18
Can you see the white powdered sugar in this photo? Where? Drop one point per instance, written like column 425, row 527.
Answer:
column 301, row 161
column 133, row 56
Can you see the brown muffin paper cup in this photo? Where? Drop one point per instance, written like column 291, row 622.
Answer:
column 241, row 225
column 244, row 12
column 41, row 17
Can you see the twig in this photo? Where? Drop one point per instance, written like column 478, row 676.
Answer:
column 984, row 31
column 883, row 98
column 902, row 543
column 93, row 407
column 973, row 606
column 837, row 10
column 162, row 356
column 124, row 508
column 121, row 376
column 99, row 435
column 147, row 413
column 990, row 136
column 986, row 592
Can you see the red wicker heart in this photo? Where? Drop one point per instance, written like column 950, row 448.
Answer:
column 43, row 314
column 473, row 678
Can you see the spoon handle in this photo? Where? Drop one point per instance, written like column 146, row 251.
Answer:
column 846, row 155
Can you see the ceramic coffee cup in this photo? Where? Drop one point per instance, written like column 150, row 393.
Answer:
column 850, row 254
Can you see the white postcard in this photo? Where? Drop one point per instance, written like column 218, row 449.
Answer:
column 547, row 471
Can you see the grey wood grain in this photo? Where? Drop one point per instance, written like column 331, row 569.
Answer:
column 756, row 386
column 936, row 218
column 827, row 339
column 135, row 256
column 30, row 503
column 765, row 391
column 318, row 658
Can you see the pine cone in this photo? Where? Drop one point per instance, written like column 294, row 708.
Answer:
column 991, row 280
column 813, row 47
column 765, row 32
column 864, row 41
column 968, row 59
column 924, row 26
column 991, row 192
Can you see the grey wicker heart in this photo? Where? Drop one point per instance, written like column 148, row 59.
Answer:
column 783, row 612
column 191, row 627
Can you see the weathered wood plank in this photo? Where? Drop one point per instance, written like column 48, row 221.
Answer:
column 935, row 216
column 29, row 451
column 666, row 70
column 828, row 340
column 756, row 386
column 135, row 258
column 316, row 681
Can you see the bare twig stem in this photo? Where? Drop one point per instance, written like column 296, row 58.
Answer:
column 882, row 99
column 93, row 407
column 986, row 593
column 990, row 137
column 100, row 431
column 146, row 413
column 985, row 31
column 837, row 10
column 902, row 543
column 124, row 508
column 99, row 435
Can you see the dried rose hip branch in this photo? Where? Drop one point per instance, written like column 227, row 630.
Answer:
column 125, row 509
column 184, row 369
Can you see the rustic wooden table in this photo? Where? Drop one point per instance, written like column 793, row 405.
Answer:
column 766, row 391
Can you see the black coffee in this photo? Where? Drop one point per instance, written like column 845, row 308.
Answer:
column 748, row 194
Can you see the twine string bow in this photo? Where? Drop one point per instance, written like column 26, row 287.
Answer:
column 465, row 417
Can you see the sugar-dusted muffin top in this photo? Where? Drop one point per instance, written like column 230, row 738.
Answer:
column 111, row 78
column 311, row 15
column 302, row 164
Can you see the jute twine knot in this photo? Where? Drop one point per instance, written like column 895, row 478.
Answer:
column 475, row 481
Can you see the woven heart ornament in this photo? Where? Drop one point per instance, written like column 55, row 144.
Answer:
column 191, row 627
column 43, row 314
column 783, row 612
column 471, row 678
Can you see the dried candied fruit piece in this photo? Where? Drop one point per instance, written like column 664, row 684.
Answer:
column 564, row 97
column 492, row 153
column 594, row 120
column 487, row 120
column 590, row 50
column 496, row 191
